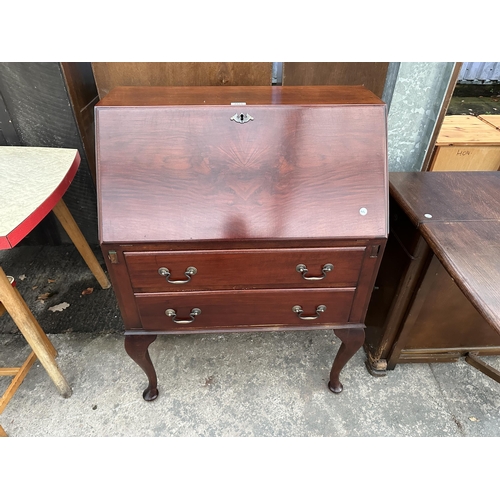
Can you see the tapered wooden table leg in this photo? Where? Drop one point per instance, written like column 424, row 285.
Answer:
column 352, row 340
column 137, row 348
column 3, row 434
column 68, row 223
column 32, row 332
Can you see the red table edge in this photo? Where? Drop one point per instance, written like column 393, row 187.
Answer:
column 28, row 224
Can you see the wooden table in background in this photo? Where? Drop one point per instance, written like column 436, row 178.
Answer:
column 437, row 296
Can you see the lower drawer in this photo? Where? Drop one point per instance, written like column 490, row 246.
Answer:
column 244, row 308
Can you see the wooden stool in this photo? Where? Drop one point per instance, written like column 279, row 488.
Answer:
column 33, row 181
column 12, row 302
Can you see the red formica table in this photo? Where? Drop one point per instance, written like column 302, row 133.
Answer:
column 32, row 183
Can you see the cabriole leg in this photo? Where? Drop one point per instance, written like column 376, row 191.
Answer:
column 137, row 348
column 352, row 340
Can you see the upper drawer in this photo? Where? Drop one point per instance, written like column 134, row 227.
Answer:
column 217, row 270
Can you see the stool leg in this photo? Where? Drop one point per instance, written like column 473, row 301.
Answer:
column 48, row 344
column 68, row 223
column 17, row 380
column 32, row 332
column 3, row 434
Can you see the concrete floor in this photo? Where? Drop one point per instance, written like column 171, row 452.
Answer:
column 253, row 384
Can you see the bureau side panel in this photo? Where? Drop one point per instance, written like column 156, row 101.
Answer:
column 118, row 273
column 369, row 269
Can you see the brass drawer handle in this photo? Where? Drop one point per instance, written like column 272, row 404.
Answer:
column 189, row 272
column 298, row 310
column 171, row 313
column 301, row 268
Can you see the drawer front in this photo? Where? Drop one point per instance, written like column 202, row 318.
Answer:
column 246, row 308
column 218, row 270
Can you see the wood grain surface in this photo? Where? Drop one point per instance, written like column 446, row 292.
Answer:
column 370, row 74
column 83, row 94
column 466, row 158
column 493, row 120
column 437, row 294
column 464, row 231
column 467, row 130
column 115, row 74
column 223, row 269
column 470, row 252
column 247, row 308
column 182, row 184
column 293, row 172
column 447, row 196
column 224, row 96
column 447, row 318
column 466, row 143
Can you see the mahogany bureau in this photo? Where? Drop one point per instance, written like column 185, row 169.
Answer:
column 225, row 209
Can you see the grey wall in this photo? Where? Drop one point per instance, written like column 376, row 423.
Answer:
column 417, row 97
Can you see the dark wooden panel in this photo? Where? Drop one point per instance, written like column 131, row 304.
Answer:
column 370, row 74
column 255, row 269
column 446, row 317
column 209, row 178
column 114, row 74
column 475, row 268
column 405, row 259
column 83, row 94
column 447, row 196
column 36, row 97
column 245, row 308
column 122, row 287
column 424, row 310
column 369, row 268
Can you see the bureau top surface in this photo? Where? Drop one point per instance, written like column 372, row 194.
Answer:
column 309, row 163
column 224, row 96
